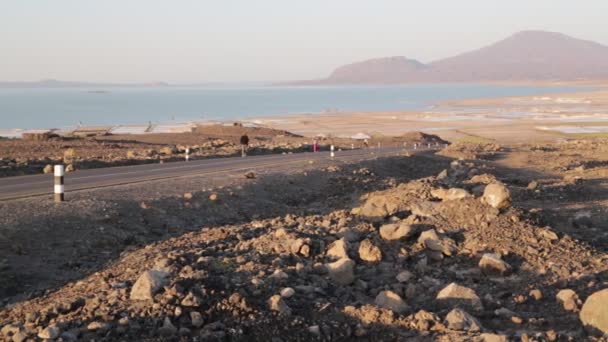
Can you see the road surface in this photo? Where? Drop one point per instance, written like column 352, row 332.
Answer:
column 39, row 185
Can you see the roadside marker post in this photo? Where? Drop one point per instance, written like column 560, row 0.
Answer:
column 352, row 146
column 415, row 146
column 59, row 187
column 187, row 154
column 378, row 144
column 332, row 153
column 429, row 145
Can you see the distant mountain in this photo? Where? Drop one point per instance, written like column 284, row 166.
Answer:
column 67, row 84
column 390, row 69
column 525, row 56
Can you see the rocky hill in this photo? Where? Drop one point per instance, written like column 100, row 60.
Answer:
column 524, row 56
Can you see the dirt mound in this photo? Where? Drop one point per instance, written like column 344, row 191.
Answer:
column 471, row 150
column 421, row 137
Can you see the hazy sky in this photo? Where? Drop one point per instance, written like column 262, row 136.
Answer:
column 259, row 40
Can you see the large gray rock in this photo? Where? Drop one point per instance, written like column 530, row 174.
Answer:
column 459, row 319
column 341, row 272
column 396, row 231
column 455, row 295
column 497, row 195
column 391, row 301
column 594, row 314
column 148, row 284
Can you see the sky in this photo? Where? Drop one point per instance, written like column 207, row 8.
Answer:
column 198, row 41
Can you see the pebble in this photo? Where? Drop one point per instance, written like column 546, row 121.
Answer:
column 392, row 301
column 148, row 284
column 341, row 272
column 287, row 292
column 369, row 252
column 569, row 299
column 458, row 319
column 454, row 295
column 49, row 333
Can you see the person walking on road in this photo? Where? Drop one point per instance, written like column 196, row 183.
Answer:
column 244, row 145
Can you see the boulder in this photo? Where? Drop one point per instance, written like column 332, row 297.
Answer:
column 450, row 194
column 492, row 264
column 276, row 303
column 369, row 252
column 396, row 231
column 404, row 276
column 582, row 219
column 458, row 319
column 487, row 337
column 381, row 205
column 287, row 292
column 424, row 209
column 455, row 295
column 338, row 249
column 168, row 329
column 48, row 169
column 196, row 319
column 433, row 242
column 594, row 314
column 569, row 299
column 497, row 195
column 341, row 272
column 391, row 301
column 49, row 333
column 148, row 284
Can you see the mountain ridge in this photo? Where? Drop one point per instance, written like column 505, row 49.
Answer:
column 529, row 55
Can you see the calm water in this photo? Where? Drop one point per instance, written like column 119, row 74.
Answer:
column 55, row 108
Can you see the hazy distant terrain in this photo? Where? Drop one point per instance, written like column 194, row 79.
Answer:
column 524, row 56
column 68, row 84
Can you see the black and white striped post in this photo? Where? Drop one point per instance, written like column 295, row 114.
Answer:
column 332, row 153
column 59, row 187
column 187, row 154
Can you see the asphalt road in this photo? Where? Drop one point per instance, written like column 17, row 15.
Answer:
column 39, row 185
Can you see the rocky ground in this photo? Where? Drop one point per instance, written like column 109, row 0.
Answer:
column 509, row 244
column 23, row 157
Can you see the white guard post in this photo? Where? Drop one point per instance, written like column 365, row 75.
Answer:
column 59, row 186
